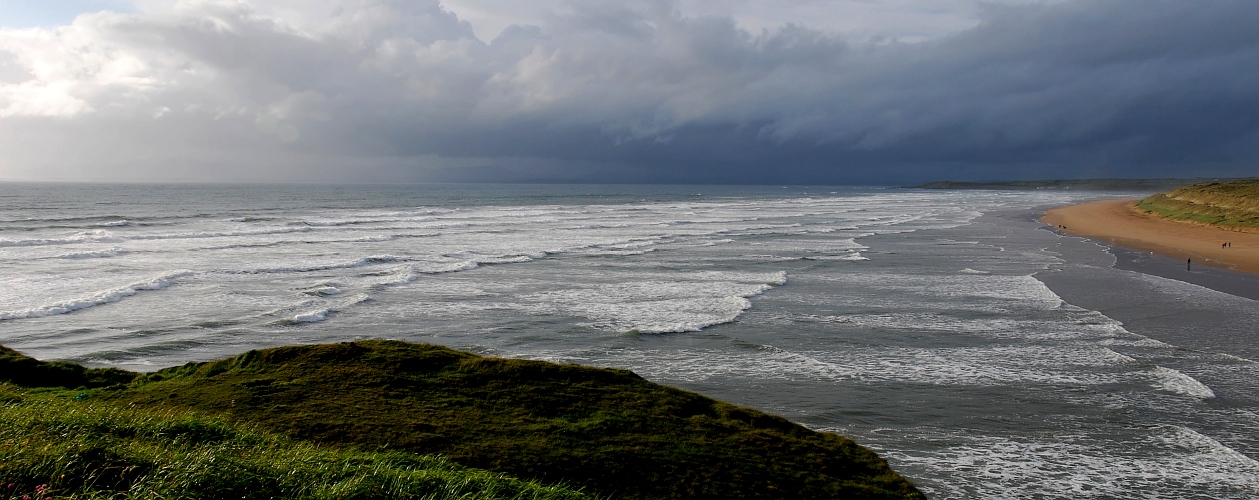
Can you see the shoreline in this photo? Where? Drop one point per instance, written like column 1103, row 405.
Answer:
column 1208, row 309
column 1119, row 223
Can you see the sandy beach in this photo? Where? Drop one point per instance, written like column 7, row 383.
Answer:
column 1120, row 223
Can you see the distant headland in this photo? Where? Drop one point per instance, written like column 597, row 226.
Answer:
column 1071, row 184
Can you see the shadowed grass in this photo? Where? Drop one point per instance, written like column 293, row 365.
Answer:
column 1230, row 205
column 95, row 450
column 25, row 371
column 607, row 432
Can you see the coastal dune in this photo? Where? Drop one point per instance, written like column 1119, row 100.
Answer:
column 1120, row 222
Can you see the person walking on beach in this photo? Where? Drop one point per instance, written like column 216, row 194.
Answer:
column 1188, row 264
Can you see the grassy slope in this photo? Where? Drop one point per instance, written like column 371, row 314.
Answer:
column 608, row 432
column 1068, row 184
column 80, row 448
column 29, row 372
column 1226, row 204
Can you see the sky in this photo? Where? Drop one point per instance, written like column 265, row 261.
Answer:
column 641, row 91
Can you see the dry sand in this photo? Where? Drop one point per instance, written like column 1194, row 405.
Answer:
column 1121, row 223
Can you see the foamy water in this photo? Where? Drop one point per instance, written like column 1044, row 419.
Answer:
column 910, row 321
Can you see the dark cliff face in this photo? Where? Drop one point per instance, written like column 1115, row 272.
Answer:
column 608, row 432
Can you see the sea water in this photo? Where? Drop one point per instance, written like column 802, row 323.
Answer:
column 920, row 323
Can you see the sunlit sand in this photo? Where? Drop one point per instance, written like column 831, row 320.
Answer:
column 1121, row 223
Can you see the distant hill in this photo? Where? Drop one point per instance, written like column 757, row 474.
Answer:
column 1070, row 184
column 1233, row 204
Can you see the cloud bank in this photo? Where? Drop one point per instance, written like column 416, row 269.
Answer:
column 639, row 91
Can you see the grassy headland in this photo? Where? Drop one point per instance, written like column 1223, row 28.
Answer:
column 53, row 445
column 1232, row 205
column 387, row 408
column 1146, row 185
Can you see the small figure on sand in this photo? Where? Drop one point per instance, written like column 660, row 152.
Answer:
column 1188, row 264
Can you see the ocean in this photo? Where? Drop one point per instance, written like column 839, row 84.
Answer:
column 982, row 353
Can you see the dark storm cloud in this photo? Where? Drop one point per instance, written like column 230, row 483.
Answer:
column 614, row 91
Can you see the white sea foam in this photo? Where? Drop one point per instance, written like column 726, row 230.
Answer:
column 759, row 363
column 363, row 220
column 999, row 328
column 256, row 244
column 371, row 239
column 505, row 259
column 311, row 316
column 92, row 254
column 447, row 267
column 631, row 245
column 1185, row 464
column 818, row 318
column 93, row 236
column 1010, row 365
column 364, row 262
column 648, row 306
column 95, row 299
column 698, row 316
column 320, row 310
column 827, row 245
column 624, row 252
column 769, row 257
column 1232, row 464
column 117, row 223
column 219, row 234
column 1176, row 382
column 1238, row 359
column 851, row 257
column 1118, row 358
column 395, row 276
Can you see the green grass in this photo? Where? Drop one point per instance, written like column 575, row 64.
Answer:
column 1069, row 184
column 1231, row 205
column 608, row 432
column 87, row 449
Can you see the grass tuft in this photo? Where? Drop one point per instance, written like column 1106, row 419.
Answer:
column 52, row 446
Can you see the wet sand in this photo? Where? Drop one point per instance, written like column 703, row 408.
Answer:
column 1120, row 223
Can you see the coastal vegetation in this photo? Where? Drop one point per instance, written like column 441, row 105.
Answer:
column 1232, row 205
column 383, row 419
column 1146, row 185
column 55, row 445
